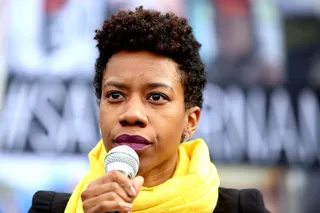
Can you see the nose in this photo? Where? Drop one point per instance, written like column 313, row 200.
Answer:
column 134, row 113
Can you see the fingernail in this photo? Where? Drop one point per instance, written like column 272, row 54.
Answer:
column 132, row 191
column 127, row 206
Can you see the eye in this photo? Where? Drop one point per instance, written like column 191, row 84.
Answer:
column 114, row 96
column 158, row 97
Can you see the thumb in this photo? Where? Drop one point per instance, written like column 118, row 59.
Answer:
column 137, row 183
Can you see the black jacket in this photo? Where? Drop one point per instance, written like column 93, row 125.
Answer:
column 229, row 201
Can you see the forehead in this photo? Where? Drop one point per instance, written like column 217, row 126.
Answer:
column 142, row 64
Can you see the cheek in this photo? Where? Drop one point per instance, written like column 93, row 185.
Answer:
column 175, row 114
column 102, row 116
column 106, row 125
column 172, row 125
column 107, row 120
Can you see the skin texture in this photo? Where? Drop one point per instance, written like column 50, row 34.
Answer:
column 142, row 95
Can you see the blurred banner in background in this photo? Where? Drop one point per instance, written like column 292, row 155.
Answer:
column 3, row 67
column 260, row 117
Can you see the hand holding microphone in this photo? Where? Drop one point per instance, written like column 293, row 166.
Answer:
column 114, row 191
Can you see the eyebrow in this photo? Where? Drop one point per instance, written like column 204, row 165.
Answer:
column 157, row 85
column 115, row 84
column 149, row 85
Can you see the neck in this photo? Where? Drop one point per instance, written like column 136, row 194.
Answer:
column 160, row 173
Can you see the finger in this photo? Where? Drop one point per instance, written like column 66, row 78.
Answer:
column 111, row 206
column 97, row 190
column 95, row 201
column 121, row 179
column 137, row 183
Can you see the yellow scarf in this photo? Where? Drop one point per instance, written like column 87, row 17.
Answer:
column 192, row 188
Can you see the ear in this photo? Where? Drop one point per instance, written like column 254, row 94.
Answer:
column 192, row 119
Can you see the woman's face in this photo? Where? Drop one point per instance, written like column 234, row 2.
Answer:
column 142, row 105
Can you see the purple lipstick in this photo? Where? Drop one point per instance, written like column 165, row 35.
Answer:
column 136, row 142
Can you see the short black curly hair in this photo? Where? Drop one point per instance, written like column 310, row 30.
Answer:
column 163, row 34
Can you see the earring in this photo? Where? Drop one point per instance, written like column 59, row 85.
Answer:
column 186, row 137
column 100, row 131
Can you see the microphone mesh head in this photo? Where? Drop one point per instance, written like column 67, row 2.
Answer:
column 122, row 155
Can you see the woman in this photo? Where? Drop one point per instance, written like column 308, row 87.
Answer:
column 149, row 81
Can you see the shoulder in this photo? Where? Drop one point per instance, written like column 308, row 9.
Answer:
column 240, row 201
column 49, row 201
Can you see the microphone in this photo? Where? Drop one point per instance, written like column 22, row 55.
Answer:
column 123, row 159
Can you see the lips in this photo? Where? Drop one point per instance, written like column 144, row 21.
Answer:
column 136, row 142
